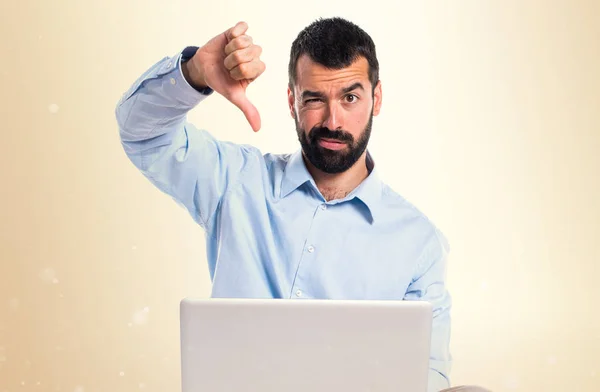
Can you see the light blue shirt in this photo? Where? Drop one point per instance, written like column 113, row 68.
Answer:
column 269, row 231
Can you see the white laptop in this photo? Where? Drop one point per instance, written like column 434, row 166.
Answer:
column 285, row 345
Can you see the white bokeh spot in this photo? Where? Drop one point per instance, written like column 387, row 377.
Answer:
column 79, row 388
column 142, row 385
column 48, row 275
column 53, row 108
column 551, row 360
column 140, row 317
column 121, row 374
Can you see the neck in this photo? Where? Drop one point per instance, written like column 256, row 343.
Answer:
column 338, row 185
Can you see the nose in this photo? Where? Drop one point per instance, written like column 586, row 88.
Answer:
column 333, row 117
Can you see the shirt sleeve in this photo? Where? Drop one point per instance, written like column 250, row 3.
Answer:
column 183, row 161
column 429, row 285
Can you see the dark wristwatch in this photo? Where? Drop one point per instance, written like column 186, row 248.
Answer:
column 187, row 54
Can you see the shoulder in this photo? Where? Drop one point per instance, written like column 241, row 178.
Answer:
column 262, row 168
column 405, row 212
column 253, row 156
column 276, row 160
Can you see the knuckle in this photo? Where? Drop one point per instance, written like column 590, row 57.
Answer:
column 243, row 69
column 237, row 56
column 240, row 42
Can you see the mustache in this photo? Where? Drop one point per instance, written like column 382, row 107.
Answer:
column 326, row 133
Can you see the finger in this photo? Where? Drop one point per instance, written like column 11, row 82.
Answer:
column 241, row 42
column 242, row 56
column 241, row 101
column 250, row 70
column 237, row 30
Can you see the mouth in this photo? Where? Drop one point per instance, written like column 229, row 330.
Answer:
column 331, row 144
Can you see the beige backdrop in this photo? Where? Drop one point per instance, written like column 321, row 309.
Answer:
column 489, row 125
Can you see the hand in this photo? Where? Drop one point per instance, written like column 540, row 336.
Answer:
column 228, row 63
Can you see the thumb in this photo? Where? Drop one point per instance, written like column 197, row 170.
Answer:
column 243, row 103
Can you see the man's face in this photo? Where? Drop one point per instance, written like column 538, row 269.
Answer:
column 333, row 111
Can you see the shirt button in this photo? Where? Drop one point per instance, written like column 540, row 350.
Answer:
column 169, row 65
column 298, row 293
column 173, row 81
column 323, row 207
column 311, row 249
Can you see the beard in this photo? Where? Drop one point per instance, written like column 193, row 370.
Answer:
column 333, row 161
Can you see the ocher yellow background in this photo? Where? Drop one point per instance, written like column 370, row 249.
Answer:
column 489, row 124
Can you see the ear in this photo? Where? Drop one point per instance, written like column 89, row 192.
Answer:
column 291, row 102
column 377, row 97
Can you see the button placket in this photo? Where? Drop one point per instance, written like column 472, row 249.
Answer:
column 309, row 250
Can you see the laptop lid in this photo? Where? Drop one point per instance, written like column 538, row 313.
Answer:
column 304, row 345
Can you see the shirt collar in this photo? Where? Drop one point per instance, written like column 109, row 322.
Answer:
column 368, row 192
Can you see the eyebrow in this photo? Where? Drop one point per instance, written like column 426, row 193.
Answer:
column 345, row 90
column 355, row 86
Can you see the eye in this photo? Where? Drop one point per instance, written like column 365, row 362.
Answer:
column 313, row 102
column 351, row 98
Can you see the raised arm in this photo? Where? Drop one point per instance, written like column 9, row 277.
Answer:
column 187, row 163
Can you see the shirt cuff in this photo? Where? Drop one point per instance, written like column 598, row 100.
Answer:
column 436, row 382
column 177, row 86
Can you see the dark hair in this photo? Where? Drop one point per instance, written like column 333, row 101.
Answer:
column 334, row 43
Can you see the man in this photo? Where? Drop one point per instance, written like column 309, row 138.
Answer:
column 317, row 223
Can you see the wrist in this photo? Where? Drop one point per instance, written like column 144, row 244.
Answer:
column 193, row 75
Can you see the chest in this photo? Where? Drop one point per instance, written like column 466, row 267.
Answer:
column 312, row 249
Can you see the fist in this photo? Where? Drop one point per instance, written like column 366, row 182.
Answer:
column 228, row 63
